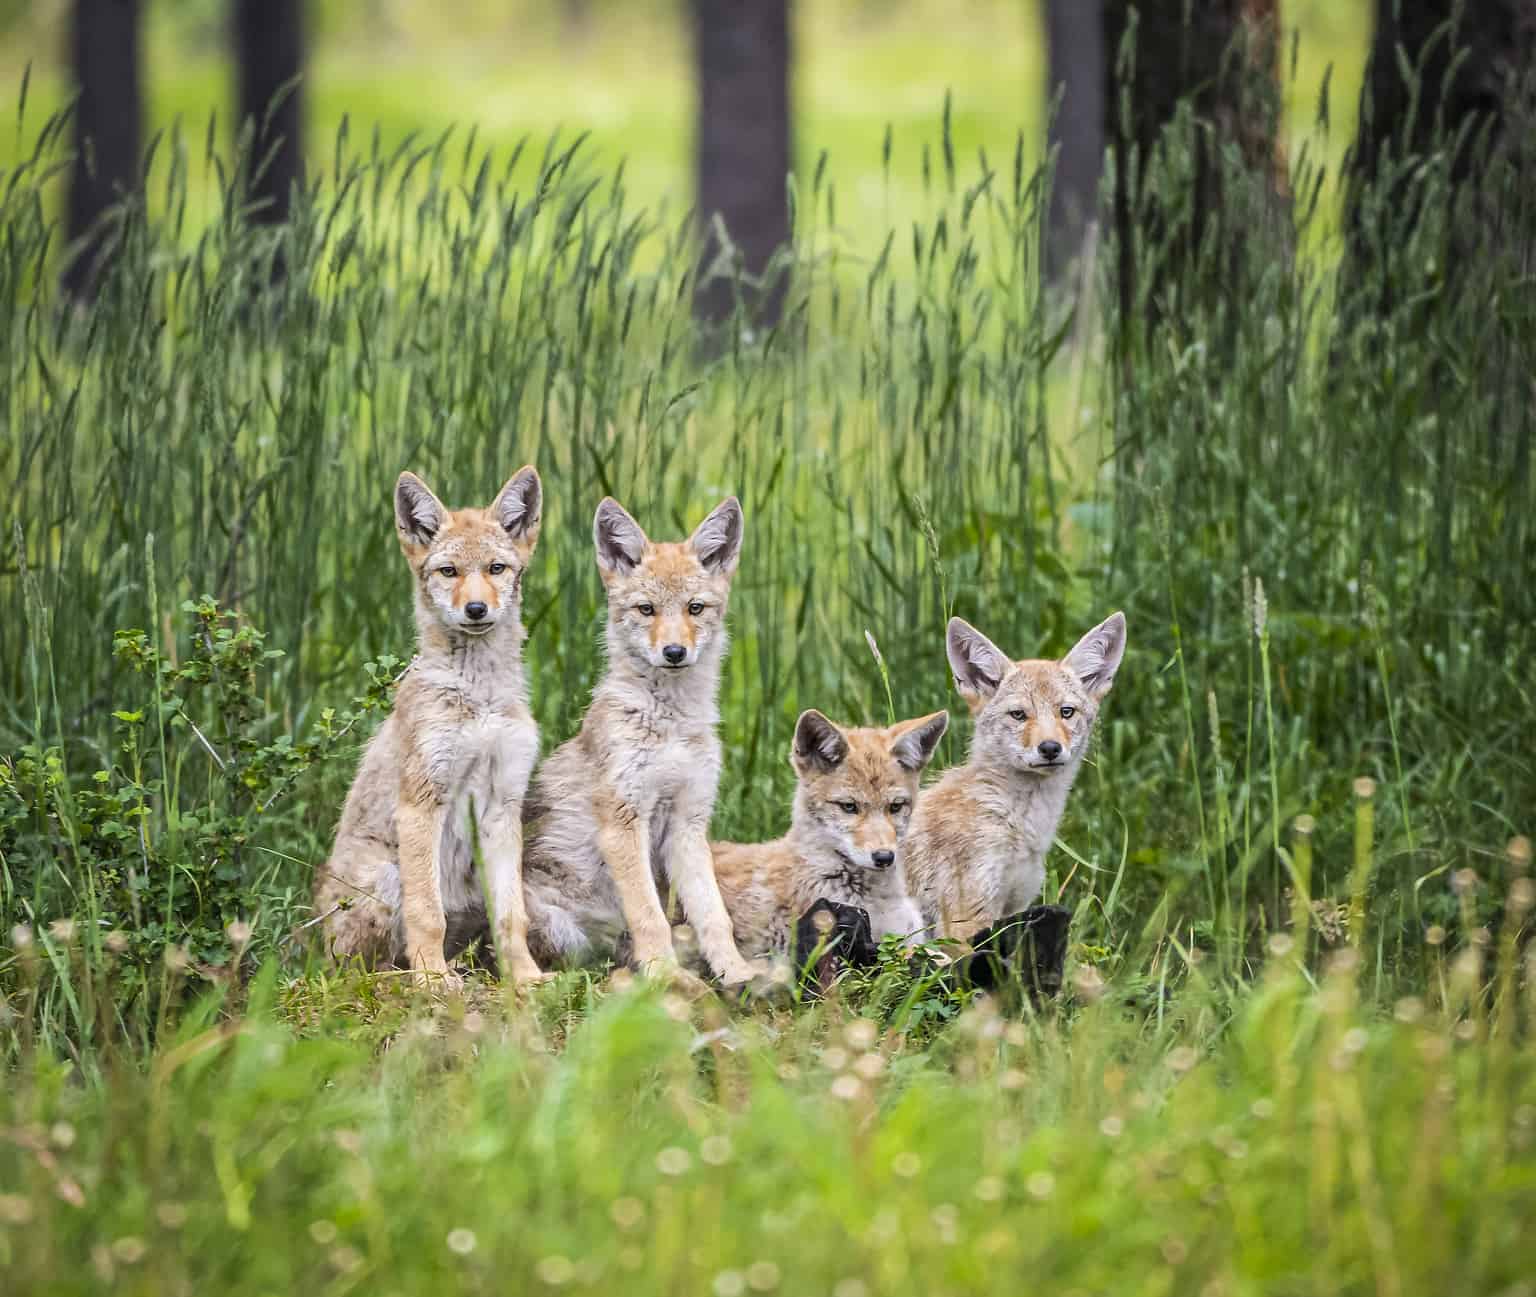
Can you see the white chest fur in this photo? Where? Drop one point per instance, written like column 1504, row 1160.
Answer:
column 492, row 758
column 1023, row 821
column 661, row 747
column 892, row 910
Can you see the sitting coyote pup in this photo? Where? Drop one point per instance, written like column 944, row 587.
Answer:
column 460, row 740
column 977, row 847
column 852, row 807
column 625, row 805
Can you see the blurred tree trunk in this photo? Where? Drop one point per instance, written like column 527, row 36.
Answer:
column 1221, row 59
column 1441, row 75
column 1076, row 71
column 104, row 51
column 742, row 49
column 576, row 19
column 1461, row 58
column 269, row 54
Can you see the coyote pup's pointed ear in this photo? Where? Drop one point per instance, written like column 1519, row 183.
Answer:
column 419, row 515
column 1095, row 658
column 979, row 665
column 919, row 740
column 620, row 541
column 519, row 505
column 819, row 744
column 717, row 540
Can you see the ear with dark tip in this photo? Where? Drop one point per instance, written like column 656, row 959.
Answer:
column 1095, row 658
column 819, row 744
column 717, row 540
column 979, row 665
column 519, row 505
column 918, row 741
column 619, row 539
column 419, row 515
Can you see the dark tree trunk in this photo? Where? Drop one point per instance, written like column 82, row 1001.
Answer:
column 576, row 19
column 104, row 49
column 269, row 53
column 1219, row 57
column 1074, row 38
column 1462, row 58
column 1443, row 77
column 743, row 151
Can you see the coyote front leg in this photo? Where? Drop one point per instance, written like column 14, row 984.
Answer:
column 421, row 895
column 692, row 870
column 502, row 843
column 625, row 841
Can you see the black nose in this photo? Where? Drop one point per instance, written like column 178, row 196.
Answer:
column 1050, row 749
column 475, row 611
column 674, row 653
column 883, row 859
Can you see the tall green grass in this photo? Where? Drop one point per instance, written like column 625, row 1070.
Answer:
column 922, row 434
column 1295, row 1055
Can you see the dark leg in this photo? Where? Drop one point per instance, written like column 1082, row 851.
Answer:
column 829, row 937
column 1027, row 949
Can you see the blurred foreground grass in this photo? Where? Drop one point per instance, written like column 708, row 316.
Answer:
column 329, row 1138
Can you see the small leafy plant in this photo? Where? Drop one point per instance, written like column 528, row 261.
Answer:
column 167, row 845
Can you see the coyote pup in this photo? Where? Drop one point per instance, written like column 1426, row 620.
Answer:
column 852, row 807
column 976, row 851
column 625, row 805
column 461, row 740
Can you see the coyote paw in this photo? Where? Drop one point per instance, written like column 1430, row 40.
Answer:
column 675, row 977
column 444, row 980
column 740, row 974
column 773, row 985
column 532, row 977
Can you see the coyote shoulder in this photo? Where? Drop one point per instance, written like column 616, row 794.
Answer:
column 450, row 766
column 853, row 803
column 620, row 813
column 976, row 850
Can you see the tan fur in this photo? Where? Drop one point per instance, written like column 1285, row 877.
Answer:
column 622, row 810
column 829, row 851
column 976, row 850
column 400, row 886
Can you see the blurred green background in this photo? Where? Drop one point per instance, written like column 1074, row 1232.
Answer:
column 620, row 70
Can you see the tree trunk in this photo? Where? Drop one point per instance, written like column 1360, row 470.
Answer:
column 1465, row 96
column 104, row 49
column 576, row 19
column 269, row 53
column 1076, row 71
column 743, row 154
column 1461, row 65
column 1220, row 57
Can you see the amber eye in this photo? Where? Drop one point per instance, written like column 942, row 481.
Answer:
column 498, row 568
column 1019, row 714
column 850, row 808
column 645, row 609
column 896, row 808
column 447, row 569
column 1067, row 713
column 695, row 608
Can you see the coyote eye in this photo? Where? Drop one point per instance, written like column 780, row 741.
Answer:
column 1067, row 713
column 850, row 808
column 1019, row 714
column 498, row 568
column 896, row 808
column 645, row 609
column 695, row 608
column 447, row 569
